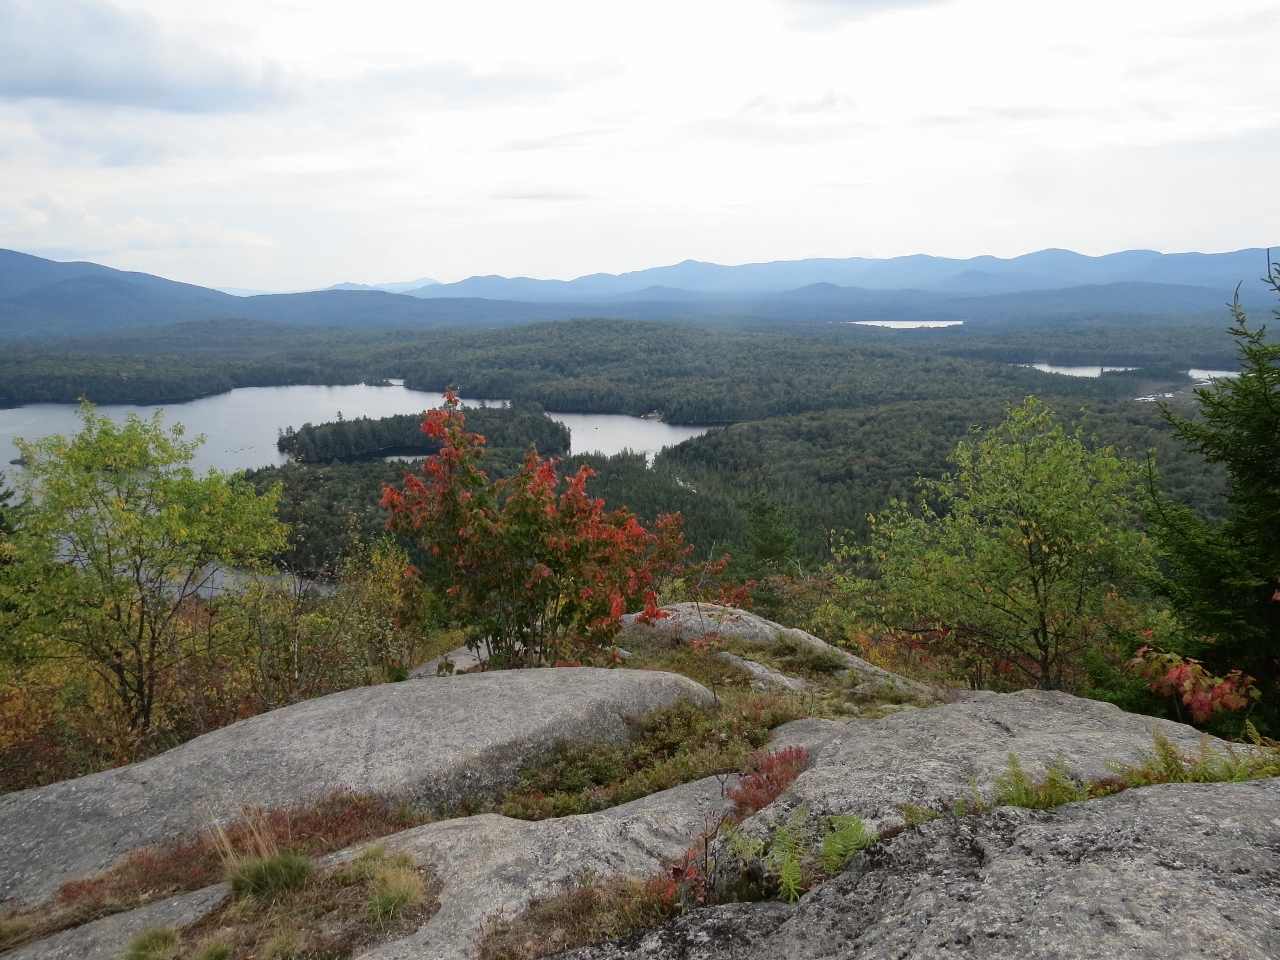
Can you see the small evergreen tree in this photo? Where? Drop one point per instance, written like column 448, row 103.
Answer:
column 772, row 536
column 1223, row 578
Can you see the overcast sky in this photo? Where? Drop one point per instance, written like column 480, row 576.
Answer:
column 283, row 144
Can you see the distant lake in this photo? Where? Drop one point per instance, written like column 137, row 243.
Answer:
column 242, row 426
column 1203, row 376
column 906, row 324
column 1075, row 371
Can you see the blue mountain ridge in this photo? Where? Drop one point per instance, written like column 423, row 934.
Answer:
column 42, row 298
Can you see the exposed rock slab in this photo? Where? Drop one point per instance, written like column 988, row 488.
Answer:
column 1180, row 870
column 690, row 622
column 432, row 743
column 765, row 678
column 870, row 768
column 463, row 659
column 491, row 864
column 108, row 938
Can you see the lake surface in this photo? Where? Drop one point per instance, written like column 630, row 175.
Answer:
column 241, row 427
column 1075, row 371
column 907, row 324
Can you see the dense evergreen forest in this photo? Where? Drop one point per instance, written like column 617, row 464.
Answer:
column 504, row 428
column 712, row 372
column 827, row 420
column 826, row 469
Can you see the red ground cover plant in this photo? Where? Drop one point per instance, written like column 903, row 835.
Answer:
column 769, row 775
column 539, row 569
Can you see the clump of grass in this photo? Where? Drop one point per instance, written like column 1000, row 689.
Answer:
column 394, row 889
column 270, row 876
column 330, row 913
column 590, row 912
column 334, row 822
column 155, row 943
column 394, row 883
column 282, row 945
column 212, row 951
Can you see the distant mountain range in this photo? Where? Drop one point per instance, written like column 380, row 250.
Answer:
column 1045, row 270
column 46, row 298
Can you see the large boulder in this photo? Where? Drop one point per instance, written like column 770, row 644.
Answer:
column 492, row 866
column 429, row 743
column 1180, row 870
column 930, row 758
column 489, row 866
column 691, row 622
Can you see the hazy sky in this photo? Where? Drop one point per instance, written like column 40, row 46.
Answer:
column 283, row 144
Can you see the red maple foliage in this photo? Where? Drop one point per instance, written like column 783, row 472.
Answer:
column 1185, row 679
column 539, row 568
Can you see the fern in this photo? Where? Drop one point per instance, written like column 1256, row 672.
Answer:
column 786, row 854
column 849, row 835
column 791, row 880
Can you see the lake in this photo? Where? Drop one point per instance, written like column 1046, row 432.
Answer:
column 241, row 426
column 907, row 324
column 1075, row 371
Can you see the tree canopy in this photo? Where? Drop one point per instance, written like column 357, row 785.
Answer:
column 118, row 535
column 1223, row 576
column 1012, row 559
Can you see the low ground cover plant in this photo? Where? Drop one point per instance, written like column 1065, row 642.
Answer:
column 674, row 745
column 191, row 862
column 804, row 851
column 590, row 912
column 283, row 906
column 598, row 909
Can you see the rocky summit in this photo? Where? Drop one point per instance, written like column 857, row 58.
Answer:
column 428, row 743
column 1172, row 870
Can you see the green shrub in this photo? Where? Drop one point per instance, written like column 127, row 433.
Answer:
column 810, row 660
column 674, row 745
column 269, row 876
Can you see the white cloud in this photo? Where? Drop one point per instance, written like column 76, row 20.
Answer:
column 819, row 13
column 92, row 51
column 61, row 223
column 554, row 139
column 461, row 86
